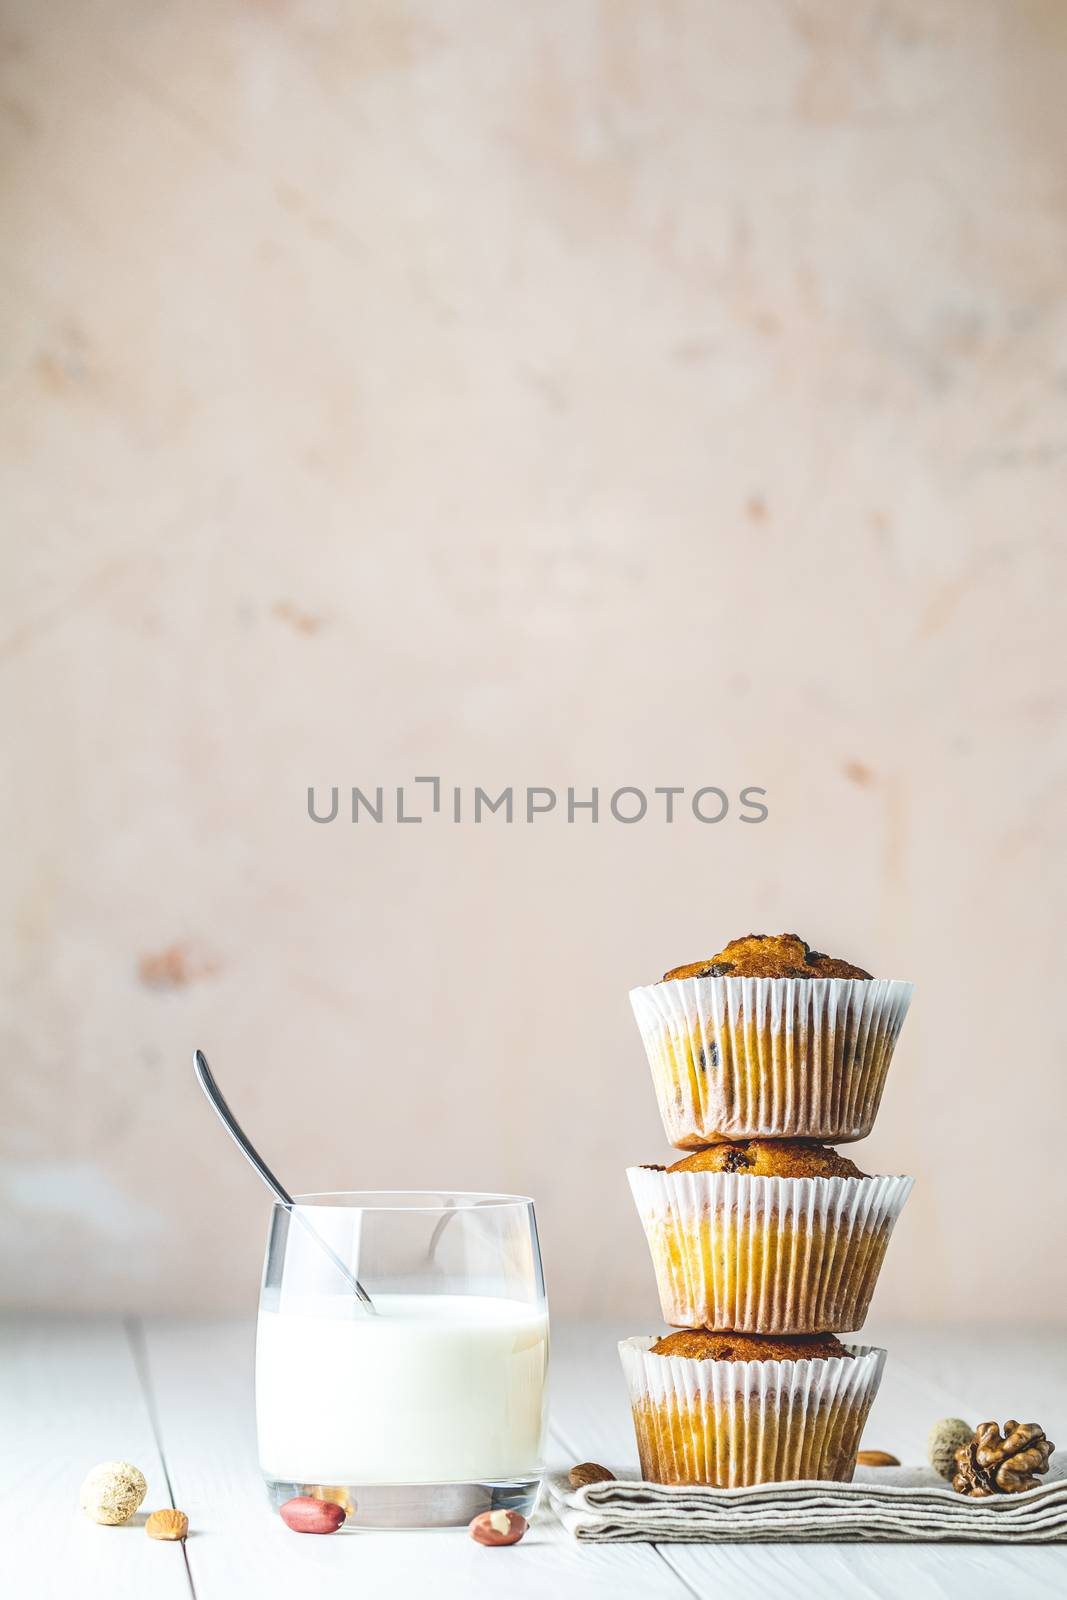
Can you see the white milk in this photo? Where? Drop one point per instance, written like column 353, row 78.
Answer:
column 434, row 1389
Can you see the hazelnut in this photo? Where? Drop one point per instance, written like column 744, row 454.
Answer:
column 112, row 1492
column 498, row 1527
column 589, row 1472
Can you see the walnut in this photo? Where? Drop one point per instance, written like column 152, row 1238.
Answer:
column 996, row 1463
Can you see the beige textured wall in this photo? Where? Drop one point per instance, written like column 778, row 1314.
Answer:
column 571, row 393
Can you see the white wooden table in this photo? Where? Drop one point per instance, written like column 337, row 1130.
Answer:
column 176, row 1398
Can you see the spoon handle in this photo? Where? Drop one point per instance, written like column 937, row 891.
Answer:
column 206, row 1080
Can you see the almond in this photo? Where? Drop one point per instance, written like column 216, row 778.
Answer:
column 305, row 1515
column 167, row 1524
column 875, row 1458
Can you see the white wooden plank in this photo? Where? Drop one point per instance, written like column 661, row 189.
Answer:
column 871, row 1571
column 70, row 1397
column 995, row 1373
column 596, row 1426
column 202, row 1380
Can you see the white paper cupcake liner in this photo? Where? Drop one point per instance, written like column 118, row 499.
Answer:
column 731, row 1423
column 763, row 1058
column 766, row 1255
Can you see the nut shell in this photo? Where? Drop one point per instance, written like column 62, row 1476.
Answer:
column 305, row 1515
column 167, row 1524
column 946, row 1437
column 494, row 1528
column 112, row 1491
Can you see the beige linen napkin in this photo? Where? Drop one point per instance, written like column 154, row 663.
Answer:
column 882, row 1503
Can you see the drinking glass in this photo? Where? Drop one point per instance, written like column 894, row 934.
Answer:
column 432, row 1407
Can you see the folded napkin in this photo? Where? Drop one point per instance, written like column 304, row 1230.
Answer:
column 882, row 1503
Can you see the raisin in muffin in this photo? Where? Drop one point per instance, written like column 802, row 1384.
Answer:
column 766, row 1236
column 769, row 1039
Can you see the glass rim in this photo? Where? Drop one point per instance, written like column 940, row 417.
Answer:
column 377, row 1200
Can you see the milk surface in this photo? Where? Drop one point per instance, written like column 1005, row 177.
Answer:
column 434, row 1389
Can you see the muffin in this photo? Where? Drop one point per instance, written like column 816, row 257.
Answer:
column 769, row 1039
column 734, row 1409
column 768, row 955
column 766, row 1236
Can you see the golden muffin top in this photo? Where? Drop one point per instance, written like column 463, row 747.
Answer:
column 771, row 1158
column 768, row 955
column 700, row 1345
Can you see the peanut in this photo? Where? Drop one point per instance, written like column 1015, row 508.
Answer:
column 305, row 1515
column 497, row 1528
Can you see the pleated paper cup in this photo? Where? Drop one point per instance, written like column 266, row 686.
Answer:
column 769, row 1058
column 731, row 1423
column 766, row 1255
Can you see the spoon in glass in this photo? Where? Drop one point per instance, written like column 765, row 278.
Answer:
column 248, row 1150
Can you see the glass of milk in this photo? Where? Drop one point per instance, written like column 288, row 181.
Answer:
column 431, row 1408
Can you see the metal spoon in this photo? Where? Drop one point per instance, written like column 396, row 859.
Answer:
column 248, row 1150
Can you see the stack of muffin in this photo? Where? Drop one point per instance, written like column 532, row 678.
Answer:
column 766, row 1244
